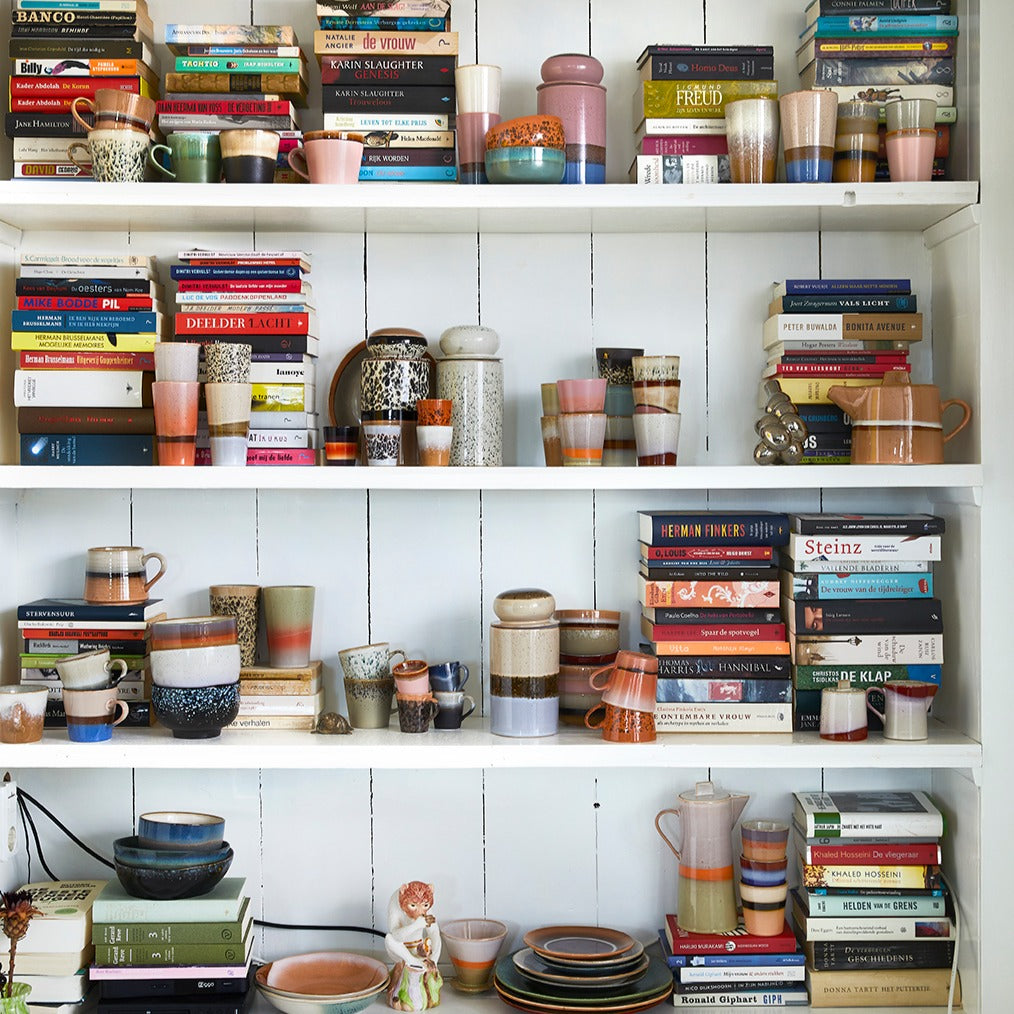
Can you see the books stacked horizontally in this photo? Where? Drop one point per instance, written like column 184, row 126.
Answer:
column 193, row 952
column 824, row 332
column 390, row 78
column 857, row 597
column 284, row 699
column 84, row 330
column 61, row 50
column 679, row 108
column 872, row 912
column 873, row 52
column 258, row 298
column 726, row 969
column 708, row 587
column 55, row 628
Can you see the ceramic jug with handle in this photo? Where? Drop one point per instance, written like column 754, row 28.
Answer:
column 705, row 895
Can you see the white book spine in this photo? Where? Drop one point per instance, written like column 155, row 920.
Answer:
column 867, row 649
column 766, row 717
column 758, row 973
column 78, row 388
column 747, row 998
column 846, row 549
column 281, row 704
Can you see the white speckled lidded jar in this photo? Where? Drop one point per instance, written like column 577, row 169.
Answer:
column 472, row 378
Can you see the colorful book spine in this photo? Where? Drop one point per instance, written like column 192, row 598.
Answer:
column 911, row 906
column 698, row 690
column 238, row 65
column 723, row 648
column 83, row 341
column 650, row 170
column 853, row 875
column 60, row 360
column 707, row 593
column 867, row 524
column 234, row 272
column 408, row 173
column 401, row 70
column 84, row 287
column 63, row 419
column 239, row 35
column 93, row 67
column 842, row 304
column 133, row 321
column 338, row 42
column 867, row 649
column 397, row 122
column 843, row 286
column 712, row 528
column 742, row 998
column 880, row 73
column 835, row 25
column 710, row 63
column 190, row 81
column 835, row 566
column 689, row 144
column 169, row 954
column 816, row 677
column 364, row 23
column 713, row 632
column 388, row 98
column 74, row 647
column 775, row 667
column 657, row 99
column 723, row 717
column 731, row 617
column 216, row 323
column 865, row 326
column 86, row 449
column 886, row 47
column 853, row 548
column 821, row 8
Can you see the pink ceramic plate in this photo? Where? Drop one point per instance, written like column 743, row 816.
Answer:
column 579, row 943
column 326, row 973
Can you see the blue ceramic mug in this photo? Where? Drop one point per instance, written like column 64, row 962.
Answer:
column 448, row 676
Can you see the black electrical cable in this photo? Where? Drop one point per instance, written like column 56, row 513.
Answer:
column 22, row 806
column 299, row 926
column 38, row 846
column 66, row 830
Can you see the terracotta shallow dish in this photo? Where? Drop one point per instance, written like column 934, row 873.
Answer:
column 579, row 943
column 326, row 974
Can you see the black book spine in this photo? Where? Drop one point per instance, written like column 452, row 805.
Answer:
column 409, row 156
column 838, row 524
column 727, row 616
column 127, row 30
column 838, row 955
column 722, row 666
column 825, row 7
column 657, row 571
column 389, row 98
column 257, row 342
column 682, row 67
column 384, row 70
column 62, row 49
column 82, row 287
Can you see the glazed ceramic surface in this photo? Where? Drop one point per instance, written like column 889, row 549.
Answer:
column 396, row 343
column 527, row 131
column 604, row 965
column 216, row 665
column 524, row 605
column 525, row 165
column 469, row 339
column 327, row 973
column 518, row 716
column 166, row 883
column 172, row 829
column 131, row 852
column 524, row 651
column 533, row 966
column 192, row 632
column 394, row 383
column 195, row 712
column 475, row 386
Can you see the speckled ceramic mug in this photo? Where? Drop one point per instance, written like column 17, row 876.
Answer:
column 369, row 661
column 370, row 702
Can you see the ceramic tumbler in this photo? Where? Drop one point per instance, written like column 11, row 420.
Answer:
column 177, row 362
column 856, row 143
column 752, row 133
column 582, row 438
column 383, row 442
column 843, row 713
column 243, row 602
column 657, row 436
column 552, row 449
column 475, row 386
column 22, row 710
column 473, row 946
column 808, row 132
column 341, row 445
column 434, row 444
column 477, row 89
column 175, row 406
column 911, row 138
column 764, row 840
column 571, row 89
column 288, row 619
column 227, row 362
column 228, row 422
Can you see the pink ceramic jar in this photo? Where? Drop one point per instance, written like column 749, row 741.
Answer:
column 571, row 90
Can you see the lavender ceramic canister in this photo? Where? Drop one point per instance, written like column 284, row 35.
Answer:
column 571, row 91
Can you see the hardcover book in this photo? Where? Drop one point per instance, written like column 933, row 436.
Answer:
column 872, row 813
column 815, row 677
column 912, row 905
column 841, row 955
column 706, row 593
column 723, row 717
column 66, row 919
column 775, row 667
column 61, row 610
column 222, row 904
column 738, row 941
column 712, row 528
column 879, row 73
column 867, row 649
column 695, row 98
column 926, row 987
column 864, row 616
column 682, row 63
column 697, row 690
column 330, row 43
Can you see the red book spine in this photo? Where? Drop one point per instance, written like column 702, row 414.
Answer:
column 85, row 303
column 267, row 456
column 736, row 942
column 717, row 553
column 838, row 369
column 222, row 323
column 71, row 87
column 32, row 360
column 686, row 144
column 96, row 634
column 862, row 854
column 225, row 107
column 717, row 632
column 244, row 261
column 251, row 287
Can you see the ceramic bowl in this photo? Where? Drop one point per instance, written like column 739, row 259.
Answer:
column 525, row 165
column 130, row 852
column 195, row 712
column 324, row 975
column 596, row 641
column 526, row 132
column 318, row 1005
column 524, row 605
column 196, row 667
column 582, row 395
column 165, row 884
column 192, row 632
column 469, row 340
column 170, row 829
column 396, row 343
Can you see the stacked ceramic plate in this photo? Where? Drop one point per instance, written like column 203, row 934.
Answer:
column 581, row 968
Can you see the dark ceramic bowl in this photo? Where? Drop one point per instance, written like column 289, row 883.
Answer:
column 180, row 830
column 130, row 852
column 165, row 884
column 195, row 712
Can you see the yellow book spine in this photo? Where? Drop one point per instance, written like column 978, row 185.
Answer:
column 695, row 98
column 83, row 341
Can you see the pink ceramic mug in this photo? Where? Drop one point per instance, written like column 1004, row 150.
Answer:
column 626, row 688
column 412, row 678
column 328, row 156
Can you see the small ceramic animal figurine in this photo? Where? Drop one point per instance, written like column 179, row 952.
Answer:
column 413, row 943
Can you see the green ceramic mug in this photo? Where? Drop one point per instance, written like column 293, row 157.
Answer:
column 194, row 157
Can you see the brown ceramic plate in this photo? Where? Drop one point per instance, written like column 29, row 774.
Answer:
column 534, row 1007
column 604, row 966
column 532, row 966
column 579, row 943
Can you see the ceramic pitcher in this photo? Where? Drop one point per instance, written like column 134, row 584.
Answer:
column 705, row 896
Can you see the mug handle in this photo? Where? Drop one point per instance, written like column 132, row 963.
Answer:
column 70, row 154
column 966, row 419
column 599, row 672
column 155, row 162
column 591, row 711
column 116, row 664
column 878, row 690
column 390, row 658
column 123, row 709
column 77, row 116
column 434, row 708
column 664, row 836
column 299, row 155
column 466, row 713
column 161, row 569
column 463, row 668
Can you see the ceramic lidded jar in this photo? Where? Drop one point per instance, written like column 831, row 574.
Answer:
column 571, row 89
column 471, row 376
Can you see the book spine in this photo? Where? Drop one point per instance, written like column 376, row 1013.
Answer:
column 253, row 288
column 724, row 648
column 114, row 6
column 824, row 7
column 680, row 570
column 237, row 65
column 299, row 343
column 703, row 144
column 269, row 723
column 713, row 529
column 94, row 67
column 867, row 524
column 99, row 973
column 843, row 304
column 812, row 677
column 740, row 67
column 228, row 83
column 387, row 98
column 334, row 43
column 407, row 157
column 742, row 998
column 836, row 566
column 42, row 629
column 249, row 274
column 694, row 717
column 396, row 122
column 83, row 341
column 85, row 304
column 417, row 174
column 267, row 456
column 776, row 667
column 169, row 954
column 842, row 368
column 755, row 974
column 695, row 690
column 678, row 126
column 707, row 593
column 57, row 49
column 38, row 170
column 278, row 688
column 38, row 125
column 886, row 47
column 401, row 70
column 148, row 935
column 135, row 321
column 226, row 107
column 880, row 73
column 673, row 169
column 69, row 87
column 303, row 673
column 713, row 632
column 392, row 8
column 732, row 617
column 216, row 323
column 842, row 955
column 82, row 287
column 866, row 616
column 280, row 704
column 854, row 548
column 695, row 98
column 72, row 647
column 86, row 449
column 237, row 35
column 738, row 942
column 871, row 853
column 72, row 389
column 710, row 986
column 60, row 360
column 77, row 30
column 943, row 95
column 849, row 875
column 96, row 420
column 867, row 649
column 827, row 326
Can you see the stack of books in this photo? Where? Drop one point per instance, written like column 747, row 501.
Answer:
column 55, row 628
column 62, row 49
column 287, row 699
column 857, row 597
column 679, row 108
column 53, row 955
column 727, row 969
column 823, row 332
column 873, row 52
column 84, row 331
column 871, row 911
column 390, row 78
column 183, row 954
column 708, row 591
column 259, row 298
column 230, row 77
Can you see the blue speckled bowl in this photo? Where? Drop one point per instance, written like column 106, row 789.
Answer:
column 164, row 884
column 180, row 830
column 525, row 165
column 130, row 852
column 195, row 712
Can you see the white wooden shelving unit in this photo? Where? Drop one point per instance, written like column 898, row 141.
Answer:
column 558, row 829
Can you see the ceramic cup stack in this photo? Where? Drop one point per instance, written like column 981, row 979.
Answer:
column 582, row 421
column 762, row 886
column 117, row 147
column 616, row 367
column 195, row 662
column 589, row 639
column 629, row 688
column 524, row 664
column 447, row 681
column 417, row 706
column 227, row 396
column 90, row 698
column 435, row 431
column 369, row 685
column 395, row 377
column 174, row 396
column 551, row 426
column 656, row 389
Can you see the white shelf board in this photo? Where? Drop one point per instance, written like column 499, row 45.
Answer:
column 691, row 477
column 407, row 207
column 475, row 747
